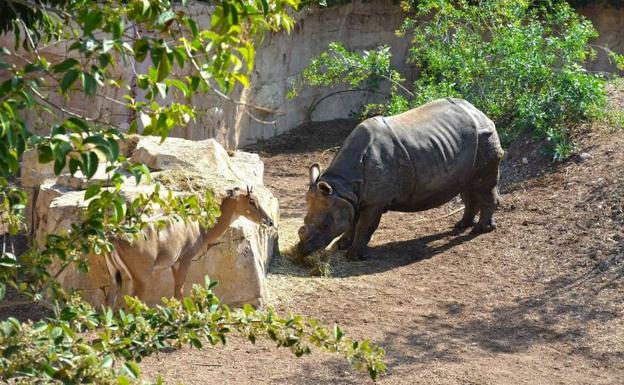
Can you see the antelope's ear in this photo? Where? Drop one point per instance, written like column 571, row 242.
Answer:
column 315, row 172
column 233, row 193
column 325, row 188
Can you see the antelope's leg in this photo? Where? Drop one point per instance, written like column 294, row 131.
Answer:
column 180, row 271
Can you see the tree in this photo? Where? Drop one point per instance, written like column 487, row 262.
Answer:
column 100, row 36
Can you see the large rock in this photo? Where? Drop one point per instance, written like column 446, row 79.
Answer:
column 238, row 260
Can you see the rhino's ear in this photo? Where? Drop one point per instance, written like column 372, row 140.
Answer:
column 325, row 188
column 315, row 172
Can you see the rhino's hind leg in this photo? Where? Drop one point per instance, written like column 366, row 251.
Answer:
column 484, row 188
column 471, row 209
column 488, row 202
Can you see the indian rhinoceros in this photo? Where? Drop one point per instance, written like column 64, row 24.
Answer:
column 410, row 162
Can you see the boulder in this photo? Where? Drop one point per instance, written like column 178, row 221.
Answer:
column 238, row 260
column 32, row 173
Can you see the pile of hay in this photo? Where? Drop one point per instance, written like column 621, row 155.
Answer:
column 319, row 262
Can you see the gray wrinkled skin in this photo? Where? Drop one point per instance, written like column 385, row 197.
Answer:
column 410, row 162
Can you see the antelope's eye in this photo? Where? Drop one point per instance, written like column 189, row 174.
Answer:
column 251, row 201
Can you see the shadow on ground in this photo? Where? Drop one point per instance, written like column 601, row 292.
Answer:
column 384, row 257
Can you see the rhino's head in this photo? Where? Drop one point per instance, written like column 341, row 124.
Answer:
column 328, row 215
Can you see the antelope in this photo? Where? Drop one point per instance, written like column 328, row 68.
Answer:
column 175, row 246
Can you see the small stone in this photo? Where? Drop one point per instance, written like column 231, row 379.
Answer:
column 585, row 155
column 525, row 160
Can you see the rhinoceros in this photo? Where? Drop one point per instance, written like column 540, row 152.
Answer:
column 413, row 161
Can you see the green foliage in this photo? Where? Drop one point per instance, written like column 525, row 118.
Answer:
column 521, row 62
column 527, row 74
column 337, row 65
column 366, row 71
column 58, row 351
column 100, row 37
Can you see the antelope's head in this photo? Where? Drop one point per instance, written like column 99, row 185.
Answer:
column 246, row 204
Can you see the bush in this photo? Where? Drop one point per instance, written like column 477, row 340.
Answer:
column 521, row 62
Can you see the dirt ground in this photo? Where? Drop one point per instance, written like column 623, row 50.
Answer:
column 538, row 301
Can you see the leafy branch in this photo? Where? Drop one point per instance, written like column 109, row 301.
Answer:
column 57, row 351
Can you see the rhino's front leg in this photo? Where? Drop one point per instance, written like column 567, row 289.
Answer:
column 346, row 240
column 366, row 225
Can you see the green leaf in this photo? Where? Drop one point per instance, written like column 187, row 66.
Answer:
column 56, row 332
column 2, row 290
column 193, row 26
column 8, row 260
column 89, row 164
column 69, row 79
column 338, row 333
column 114, row 148
column 92, row 21
column 89, row 84
column 65, row 65
column 265, row 7
column 165, row 17
column 195, row 342
column 132, row 370
column 162, row 89
column 146, row 6
column 120, row 210
column 92, row 191
column 188, row 304
column 59, row 164
column 141, row 48
column 101, row 144
column 107, row 362
column 74, row 164
column 32, row 67
column 164, row 67
column 179, row 85
column 76, row 125
column 146, row 120
column 107, row 45
column 117, row 28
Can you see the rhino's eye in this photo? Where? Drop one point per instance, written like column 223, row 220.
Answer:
column 326, row 222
